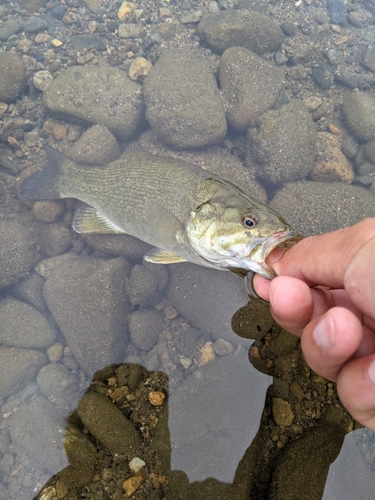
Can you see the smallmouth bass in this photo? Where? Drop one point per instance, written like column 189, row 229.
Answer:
column 186, row 213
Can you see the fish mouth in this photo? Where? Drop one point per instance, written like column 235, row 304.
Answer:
column 283, row 239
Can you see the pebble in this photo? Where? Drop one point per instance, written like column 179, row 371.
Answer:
column 125, row 9
column 42, row 38
column 8, row 29
column 132, row 484
column 336, row 11
column 56, row 42
column 282, row 412
column 42, row 79
column 139, row 68
column 322, row 75
column 59, row 131
column 222, row 347
column 48, row 210
column 331, row 164
column 55, row 352
column 156, row 398
column 207, row 354
column 136, row 464
column 288, row 28
column 359, row 114
column 145, row 326
column 335, row 57
column 170, row 312
column 194, row 17
column 129, row 30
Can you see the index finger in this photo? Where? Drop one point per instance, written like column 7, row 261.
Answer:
column 324, row 259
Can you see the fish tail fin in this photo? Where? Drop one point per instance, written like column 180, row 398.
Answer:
column 45, row 184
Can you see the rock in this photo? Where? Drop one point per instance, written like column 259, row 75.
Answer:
column 129, row 30
column 240, row 28
column 17, row 368
column 23, row 326
column 145, row 326
column 288, row 28
column 318, row 207
column 139, row 68
column 359, row 114
column 183, row 104
column 17, row 251
column 194, row 17
column 42, row 79
column 87, row 298
column 38, row 428
column 349, row 147
column 322, row 74
column 250, row 84
column 88, row 40
column 107, row 424
column 253, row 321
column 370, row 150
column 35, row 24
column 309, row 457
column 282, row 143
column 55, row 239
column 367, row 56
column 73, row 96
column 8, row 29
column 336, row 11
column 96, row 146
column 222, row 347
column 207, row 298
column 282, row 412
column 141, row 285
column 330, row 163
column 48, row 210
column 58, row 382
column 13, row 76
column 30, row 290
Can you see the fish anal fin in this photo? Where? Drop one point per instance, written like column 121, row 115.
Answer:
column 90, row 220
column 159, row 256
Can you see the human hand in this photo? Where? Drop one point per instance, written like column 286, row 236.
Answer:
column 325, row 293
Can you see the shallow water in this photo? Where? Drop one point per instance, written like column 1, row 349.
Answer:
column 103, row 357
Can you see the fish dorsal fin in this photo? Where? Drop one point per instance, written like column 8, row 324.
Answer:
column 90, row 220
column 158, row 256
column 133, row 148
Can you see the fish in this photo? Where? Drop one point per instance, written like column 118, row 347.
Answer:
column 186, row 213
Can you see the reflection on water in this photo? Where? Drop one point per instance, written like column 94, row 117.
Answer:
column 123, row 379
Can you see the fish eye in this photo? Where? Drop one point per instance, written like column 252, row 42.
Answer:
column 248, row 221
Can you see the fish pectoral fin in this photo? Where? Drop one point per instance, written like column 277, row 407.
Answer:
column 159, row 256
column 90, row 220
column 165, row 226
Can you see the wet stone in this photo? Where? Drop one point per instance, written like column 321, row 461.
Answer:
column 48, row 210
column 107, row 424
column 38, row 427
column 179, row 81
column 58, row 382
column 17, row 251
column 322, row 75
column 17, row 368
column 23, row 326
column 336, row 11
column 222, row 347
column 90, row 40
column 13, row 76
column 282, row 412
column 30, row 290
column 42, row 79
column 288, row 28
column 240, row 28
column 145, row 326
column 349, row 147
column 96, row 146
column 359, row 113
column 330, row 163
column 55, row 239
column 35, row 24
column 8, row 29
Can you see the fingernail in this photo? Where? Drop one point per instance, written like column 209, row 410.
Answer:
column 371, row 371
column 276, row 255
column 324, row 333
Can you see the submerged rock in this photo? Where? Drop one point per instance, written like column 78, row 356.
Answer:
column 183, row 104
column 240, row 28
